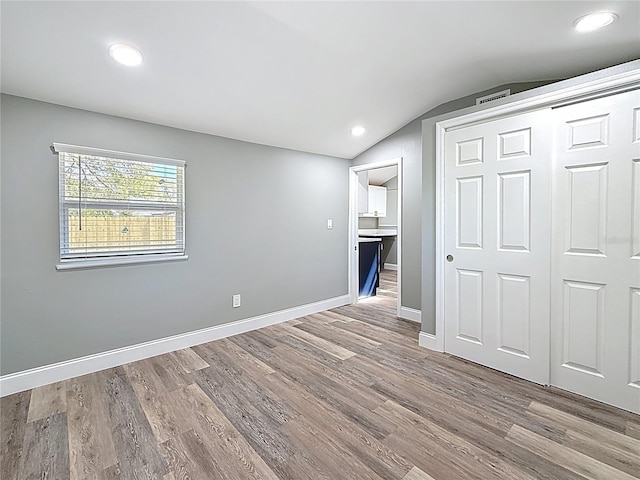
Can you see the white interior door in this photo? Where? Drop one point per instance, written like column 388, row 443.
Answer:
column 596, row 250
column 497, row 223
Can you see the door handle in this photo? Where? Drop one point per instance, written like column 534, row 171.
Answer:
column 449, row 258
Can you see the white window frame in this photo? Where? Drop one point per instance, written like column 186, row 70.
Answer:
column 102, row 259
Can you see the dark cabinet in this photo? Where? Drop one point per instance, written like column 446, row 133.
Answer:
column 369, row 265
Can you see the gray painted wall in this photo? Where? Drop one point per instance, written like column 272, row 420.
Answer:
column 389, row 250
column 367, row 222
column 256, row 225
column 390, row 244
column 391, row 219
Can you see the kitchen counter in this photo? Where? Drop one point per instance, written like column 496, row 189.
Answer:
column 368, row 239
column 378, row 232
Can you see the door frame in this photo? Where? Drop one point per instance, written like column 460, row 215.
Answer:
column 353, row 225
column 586, row 87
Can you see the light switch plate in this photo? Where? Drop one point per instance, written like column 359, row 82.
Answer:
column 329, row 224
column 236, row 300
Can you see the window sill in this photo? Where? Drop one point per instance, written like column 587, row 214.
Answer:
column 113, row 262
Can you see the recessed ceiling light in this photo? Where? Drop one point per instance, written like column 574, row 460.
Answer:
column 125, row 54
column 594, row 21
column 357, row 130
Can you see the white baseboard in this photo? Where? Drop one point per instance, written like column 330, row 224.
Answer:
column 390, row 266
column 430, row 341
column 410, row 314
column 36, row 377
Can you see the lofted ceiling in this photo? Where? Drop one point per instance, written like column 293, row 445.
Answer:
column 380, row 176
column 298, row 75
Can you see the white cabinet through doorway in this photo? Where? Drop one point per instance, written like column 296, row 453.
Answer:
column 372, row 199
column 377, row 201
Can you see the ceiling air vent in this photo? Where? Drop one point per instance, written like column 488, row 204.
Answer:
column 493, row 96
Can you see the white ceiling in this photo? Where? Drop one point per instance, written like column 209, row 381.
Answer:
column 298, row 74
column 380, row 176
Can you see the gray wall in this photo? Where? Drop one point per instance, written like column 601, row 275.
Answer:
column 256, row 225
column 418, row 203
column 368, row 222
column 391, row 219
column 390, row 244
column 389, row 250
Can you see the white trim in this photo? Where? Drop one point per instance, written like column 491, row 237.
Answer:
column 439, row 234
column 352, row 248
column 113, row 262
column 410, row 314
column 100, row 152
column 36, row 377
column 353, row 225
column 429, row 341
column 561, row 96
column 390, row 266
column 399, row 232
column 595, row 84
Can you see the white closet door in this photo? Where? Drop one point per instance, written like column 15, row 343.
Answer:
column 596, row 250
column 497, row 223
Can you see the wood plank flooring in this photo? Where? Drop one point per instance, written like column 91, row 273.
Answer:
column 343, row 394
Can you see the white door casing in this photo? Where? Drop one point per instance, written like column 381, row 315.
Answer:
column 596, row 250
column 354, row 189
column 497, row 207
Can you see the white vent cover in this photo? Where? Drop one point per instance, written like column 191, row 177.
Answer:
column 493, row 96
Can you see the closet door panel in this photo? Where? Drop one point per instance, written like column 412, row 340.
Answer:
column 497, row 222
column 595, row 274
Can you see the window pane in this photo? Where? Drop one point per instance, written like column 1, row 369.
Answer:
column 106, row 179
column 115, row 231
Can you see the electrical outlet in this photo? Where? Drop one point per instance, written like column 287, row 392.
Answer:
column 329, row 224
column 236, row 300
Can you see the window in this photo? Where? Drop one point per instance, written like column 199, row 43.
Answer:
column 119, row 207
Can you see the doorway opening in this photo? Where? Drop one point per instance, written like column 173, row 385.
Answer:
column 375, row 217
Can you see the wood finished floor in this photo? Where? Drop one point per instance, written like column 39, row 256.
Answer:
column 344, row 394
